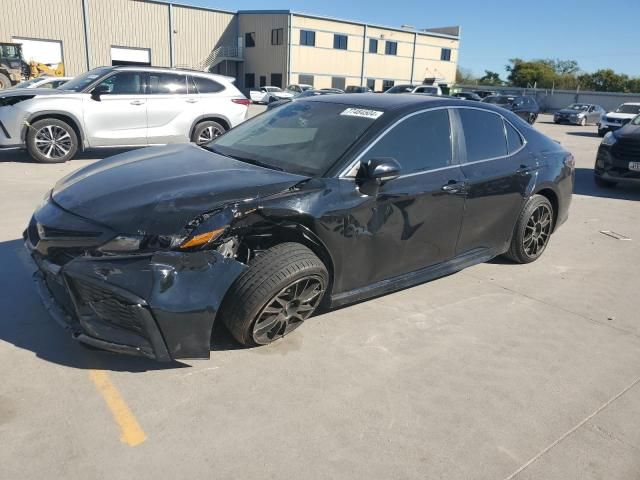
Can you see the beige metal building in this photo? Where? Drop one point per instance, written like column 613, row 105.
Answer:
column 257, row 47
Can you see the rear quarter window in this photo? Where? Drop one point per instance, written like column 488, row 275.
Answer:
column 514, row 139
column 484, row 135
column 207, row 85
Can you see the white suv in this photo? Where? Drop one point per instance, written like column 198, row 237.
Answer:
column 120, row 107
column 618, row 118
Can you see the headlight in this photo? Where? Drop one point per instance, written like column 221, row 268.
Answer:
column 609, row 139
column 141, row 243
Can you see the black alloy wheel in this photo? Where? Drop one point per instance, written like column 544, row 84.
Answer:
column 537, row 231
column 287, row 310
column 532, row 231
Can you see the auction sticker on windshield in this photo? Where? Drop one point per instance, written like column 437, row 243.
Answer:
column 361, row 112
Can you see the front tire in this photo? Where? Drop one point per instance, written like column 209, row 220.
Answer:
column 5, row 82
column 51, row 141
column 583, row 122
column 532, row 231
column 602, row 132
column 281, row 289
column 206, row 131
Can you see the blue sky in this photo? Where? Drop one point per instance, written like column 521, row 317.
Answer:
column 596, row 33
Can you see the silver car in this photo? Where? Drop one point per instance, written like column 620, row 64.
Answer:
column 119, row 107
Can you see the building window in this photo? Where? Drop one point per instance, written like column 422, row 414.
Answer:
column 387, row 84
column 373, row 45
column 249, row 80
column 250, row 39
column 445, row 55
column 263, row 80
column 276, row 80
column 276, row 36
column 338, row 82
column 371, row 83
column 391, row 48
column 308, row 38
column 340, row 42
column 305, row 79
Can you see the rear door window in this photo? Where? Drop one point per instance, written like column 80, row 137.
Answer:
column 167, row 83
column 421, row 142
column 484, row 135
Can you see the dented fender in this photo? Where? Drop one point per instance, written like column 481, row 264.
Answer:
column 183, row 291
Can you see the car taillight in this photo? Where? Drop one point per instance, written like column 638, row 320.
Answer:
column 570, row 161
column 241, row 101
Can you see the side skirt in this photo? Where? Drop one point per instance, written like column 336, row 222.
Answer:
column 417, row 277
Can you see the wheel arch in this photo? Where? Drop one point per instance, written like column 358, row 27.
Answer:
column 221, row 119
column 63, row 116
column 550, row 194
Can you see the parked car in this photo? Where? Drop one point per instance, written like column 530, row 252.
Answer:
column 402, row 88
column 299, row 88
column 485, row 93
column 467, row 96
column 305, row 94
column 428, row 89
column 525, row 107
column 324, row 201
column 266, row 95
column 618, row 158
column 43, row 82
column 331, row 90
column 119, row 107
column 579, row 114
column 357, row 89
column 618, row 118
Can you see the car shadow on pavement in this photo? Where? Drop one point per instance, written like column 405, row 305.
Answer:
column 583, row 134
column 25, row 323
column 584, row 185
column 21, row 156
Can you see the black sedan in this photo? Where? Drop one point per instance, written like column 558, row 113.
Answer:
column 525, row 107
column 321, row 202
column 618, row 158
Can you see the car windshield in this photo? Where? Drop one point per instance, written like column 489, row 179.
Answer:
column 28, row 83
column 578, row 106
column 636, row 121
column 305, row 87
column 273, row 89
column 400, row 89
column 499, row 100
column 81, row 82
column 304, row 137
column 628, row 108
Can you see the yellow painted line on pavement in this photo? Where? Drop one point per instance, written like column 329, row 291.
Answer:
column 131, row 432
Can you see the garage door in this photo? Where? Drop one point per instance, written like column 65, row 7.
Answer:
column 41, row 51
column 130, row 56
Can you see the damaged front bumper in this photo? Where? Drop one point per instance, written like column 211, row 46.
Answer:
column 160, row 306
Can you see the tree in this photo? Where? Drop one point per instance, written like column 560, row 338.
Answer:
column 609, row 81
column 529, row 73
column 464, row 76
column 491, row 78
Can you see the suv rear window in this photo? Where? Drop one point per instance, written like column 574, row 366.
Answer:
column 207, row 85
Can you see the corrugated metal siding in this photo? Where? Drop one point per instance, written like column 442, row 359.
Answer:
column 47, row 20
column 264, row 58
column 128, row 23
column 198, row 32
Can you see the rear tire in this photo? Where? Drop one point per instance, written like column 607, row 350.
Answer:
column 206, row 131
column 281, row 289
column 532, row 231
column 601, row 182
column 5, row 82
column 602, row 132
column 51, row 141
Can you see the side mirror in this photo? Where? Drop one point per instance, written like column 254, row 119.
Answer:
column 98, row 91
column 375, row 173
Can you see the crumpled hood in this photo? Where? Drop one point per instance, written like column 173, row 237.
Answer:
column 158, row 190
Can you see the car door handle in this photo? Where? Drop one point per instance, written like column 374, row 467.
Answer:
column 191, row 100
column 454, row 188
column 524, row 170
column 137, row 102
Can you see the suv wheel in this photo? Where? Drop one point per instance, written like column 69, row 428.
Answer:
column 532, row 231
column 51, row 141
column 281, row 289
column 4, row 81
column 206, row 131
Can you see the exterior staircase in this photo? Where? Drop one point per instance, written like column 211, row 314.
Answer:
column 219, row 55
